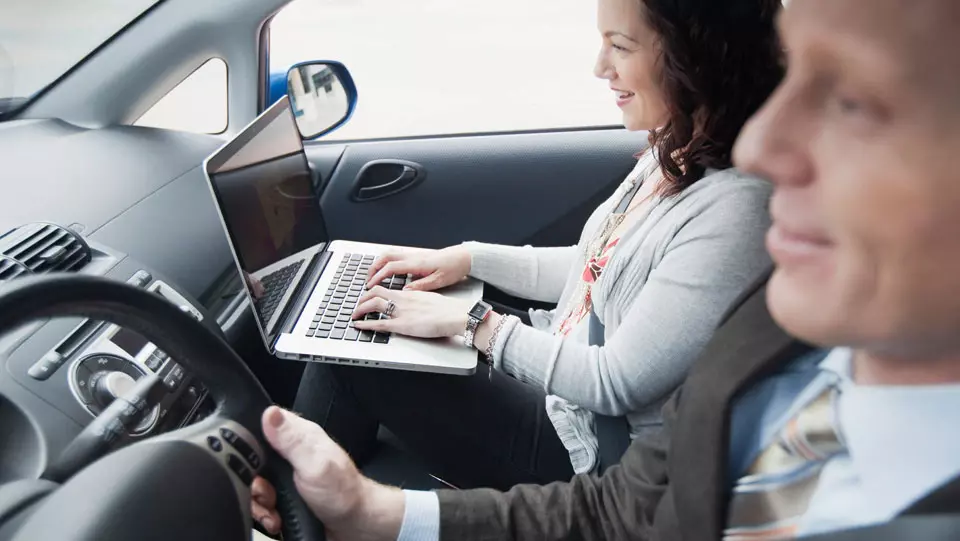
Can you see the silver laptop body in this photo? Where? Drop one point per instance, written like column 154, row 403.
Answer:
column 300, row 283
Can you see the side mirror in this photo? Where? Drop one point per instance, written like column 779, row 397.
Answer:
column 322, row 96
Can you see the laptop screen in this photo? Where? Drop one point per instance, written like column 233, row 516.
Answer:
column 266, row 196
column 265, row 190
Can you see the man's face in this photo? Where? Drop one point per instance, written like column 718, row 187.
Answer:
column 862, row 142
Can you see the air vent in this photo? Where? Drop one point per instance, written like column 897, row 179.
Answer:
column 40, row 248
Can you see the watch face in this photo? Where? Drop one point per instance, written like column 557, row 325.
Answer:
column 479, row 310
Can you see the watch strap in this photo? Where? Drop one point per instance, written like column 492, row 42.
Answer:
column 471, row 332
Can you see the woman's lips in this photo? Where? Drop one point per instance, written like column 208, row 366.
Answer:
column 623, row 97
column 791, row 246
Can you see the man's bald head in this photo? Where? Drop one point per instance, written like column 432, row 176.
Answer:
column 862, row 140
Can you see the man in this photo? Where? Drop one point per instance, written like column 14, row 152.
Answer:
column 769, row 438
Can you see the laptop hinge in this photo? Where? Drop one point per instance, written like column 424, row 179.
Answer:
column 294, row 308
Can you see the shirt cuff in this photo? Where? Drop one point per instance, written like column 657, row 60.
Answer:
column 421, row 517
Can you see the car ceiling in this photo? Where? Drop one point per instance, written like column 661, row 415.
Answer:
column 120, row 81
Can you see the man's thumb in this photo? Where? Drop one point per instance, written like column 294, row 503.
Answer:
column 293, row 438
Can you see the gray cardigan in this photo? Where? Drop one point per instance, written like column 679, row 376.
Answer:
column 660, row 298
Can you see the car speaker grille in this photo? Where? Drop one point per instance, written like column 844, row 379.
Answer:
column 41, row 248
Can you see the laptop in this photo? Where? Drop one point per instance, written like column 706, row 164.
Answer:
column 303, row 285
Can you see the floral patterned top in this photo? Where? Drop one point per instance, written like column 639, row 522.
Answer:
column 591, row 273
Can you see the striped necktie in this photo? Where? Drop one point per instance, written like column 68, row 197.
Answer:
column 771, row 498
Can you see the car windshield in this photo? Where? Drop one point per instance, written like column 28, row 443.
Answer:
column 40, row 40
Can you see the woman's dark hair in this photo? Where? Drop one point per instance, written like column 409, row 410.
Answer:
column 719, row 61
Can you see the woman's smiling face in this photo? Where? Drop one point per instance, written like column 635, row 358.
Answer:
column 628, row 60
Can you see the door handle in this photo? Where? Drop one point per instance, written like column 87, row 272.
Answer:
column 384, row 178
column 407, row 175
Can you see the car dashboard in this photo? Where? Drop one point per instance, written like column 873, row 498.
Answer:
column 130, row 204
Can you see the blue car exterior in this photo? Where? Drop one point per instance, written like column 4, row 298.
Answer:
column 277, row 85
column 278, row 89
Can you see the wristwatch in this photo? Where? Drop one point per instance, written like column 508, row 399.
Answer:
column 475, row 317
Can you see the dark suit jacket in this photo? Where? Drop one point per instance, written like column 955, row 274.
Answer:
column 667, row 488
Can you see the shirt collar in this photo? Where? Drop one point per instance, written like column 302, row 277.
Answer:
column 902, row 440
column 839, row 362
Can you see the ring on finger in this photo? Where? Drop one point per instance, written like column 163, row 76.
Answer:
column 390, row 309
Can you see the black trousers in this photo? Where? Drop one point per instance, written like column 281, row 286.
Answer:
column 471, row 431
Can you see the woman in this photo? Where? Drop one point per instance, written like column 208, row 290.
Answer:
column 657, row 266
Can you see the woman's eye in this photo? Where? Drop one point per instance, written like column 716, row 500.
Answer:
column 618, row 48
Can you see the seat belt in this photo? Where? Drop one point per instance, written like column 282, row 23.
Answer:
column 613, row 433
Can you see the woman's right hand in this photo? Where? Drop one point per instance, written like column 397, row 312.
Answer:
column 435, row 269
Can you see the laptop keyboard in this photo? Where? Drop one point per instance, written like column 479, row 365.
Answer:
column 334, row 317
column 275, row 285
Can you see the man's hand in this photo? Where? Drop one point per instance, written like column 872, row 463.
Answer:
column 349, row 505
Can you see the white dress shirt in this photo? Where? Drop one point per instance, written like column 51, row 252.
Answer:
column 902, row 443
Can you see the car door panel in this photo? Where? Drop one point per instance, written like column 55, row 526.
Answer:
column 529, row 188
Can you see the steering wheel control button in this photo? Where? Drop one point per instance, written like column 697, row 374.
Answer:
column 241, row 446
column 239, row 468
column 214, row 444
column 229, row 435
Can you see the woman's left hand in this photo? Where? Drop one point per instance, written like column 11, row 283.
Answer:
column 419, row 314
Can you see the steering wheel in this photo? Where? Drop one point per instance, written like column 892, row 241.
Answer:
column 192, row 483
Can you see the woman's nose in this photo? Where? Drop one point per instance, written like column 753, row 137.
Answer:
column 603, row 69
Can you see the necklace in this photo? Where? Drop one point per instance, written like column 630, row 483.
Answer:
column 615, row 219
column 581, row 302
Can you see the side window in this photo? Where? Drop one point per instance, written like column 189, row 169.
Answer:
column 433, row 67
column 198, row 104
